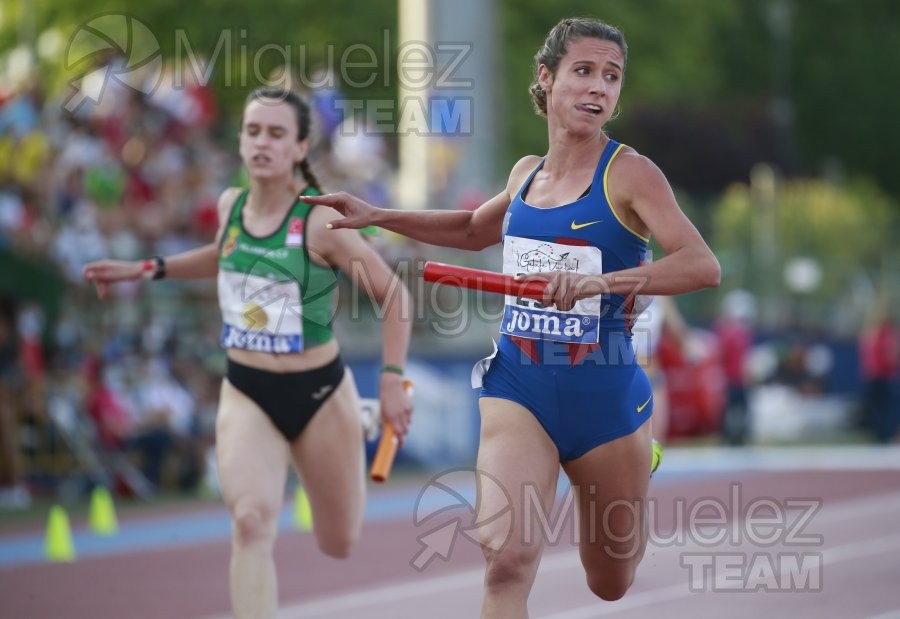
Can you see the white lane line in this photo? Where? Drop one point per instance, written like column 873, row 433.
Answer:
column 847, row 552
column 845, row 458
column 849, row 509
column 418, row 585
column 409, row 589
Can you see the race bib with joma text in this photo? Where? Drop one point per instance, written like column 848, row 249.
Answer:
column 531, row 319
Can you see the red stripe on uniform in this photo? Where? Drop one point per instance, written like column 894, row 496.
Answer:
column 577, row 352
column 528, row 347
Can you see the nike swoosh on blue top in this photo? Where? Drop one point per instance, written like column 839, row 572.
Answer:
column 584, row 225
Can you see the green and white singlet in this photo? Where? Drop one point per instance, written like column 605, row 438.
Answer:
column 273, row 298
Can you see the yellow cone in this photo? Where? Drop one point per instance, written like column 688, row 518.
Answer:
column 102, row 517
column 302, row 510
column 58, row 544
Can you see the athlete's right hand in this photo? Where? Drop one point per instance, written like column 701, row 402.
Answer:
column 357, row 213
column 105, row 272
column 396, row 404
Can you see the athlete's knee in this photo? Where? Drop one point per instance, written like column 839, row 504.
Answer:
column 254, row 522
column 610, row 584
column 339, row 545
column 510, row 565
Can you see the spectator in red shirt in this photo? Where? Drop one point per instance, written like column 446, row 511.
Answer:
column 735, row 335
column 879, row 355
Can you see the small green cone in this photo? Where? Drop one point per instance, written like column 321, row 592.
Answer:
column 302, row 510
column 58, row 546
column 102, row 517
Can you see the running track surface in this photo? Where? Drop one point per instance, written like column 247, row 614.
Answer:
column 823, row 541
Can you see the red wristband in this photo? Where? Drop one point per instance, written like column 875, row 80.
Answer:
column 148, row 269
column 153, row 268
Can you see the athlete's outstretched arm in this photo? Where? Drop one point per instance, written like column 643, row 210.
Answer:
column 199, row 263
column 472, row 230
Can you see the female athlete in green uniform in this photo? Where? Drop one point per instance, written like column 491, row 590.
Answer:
column 287, row 396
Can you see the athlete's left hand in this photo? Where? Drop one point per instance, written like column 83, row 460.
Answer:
column 563, row 287
column 396, row 404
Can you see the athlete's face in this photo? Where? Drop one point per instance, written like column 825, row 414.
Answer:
column 583, row 93
column 268, row 140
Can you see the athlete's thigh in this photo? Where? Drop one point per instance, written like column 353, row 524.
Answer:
column 610, row 483
column 252, row 455
column 330, row 461
column 519, row 468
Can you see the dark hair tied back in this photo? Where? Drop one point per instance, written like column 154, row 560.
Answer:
column 557, row 44
column 304, row 122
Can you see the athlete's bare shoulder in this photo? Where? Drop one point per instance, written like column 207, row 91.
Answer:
column 634, row 169
column 520, row 172
column 226, row 201
column 223, row 208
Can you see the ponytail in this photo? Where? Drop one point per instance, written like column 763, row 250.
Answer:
column 310, row 177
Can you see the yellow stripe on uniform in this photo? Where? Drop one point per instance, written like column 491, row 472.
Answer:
column 609, row 201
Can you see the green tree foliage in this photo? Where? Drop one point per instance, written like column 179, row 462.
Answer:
column 703, row 78
column 672, row 55
column 252, row 40
column 848, row 230
column 845, row 86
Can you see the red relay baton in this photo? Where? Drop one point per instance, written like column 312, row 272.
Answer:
column 479, row 279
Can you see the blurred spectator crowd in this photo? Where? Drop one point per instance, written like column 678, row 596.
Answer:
column 128, row 176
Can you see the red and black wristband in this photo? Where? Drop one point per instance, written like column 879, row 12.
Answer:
column 154, row 268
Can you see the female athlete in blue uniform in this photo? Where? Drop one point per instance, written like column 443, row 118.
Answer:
column 564, row 386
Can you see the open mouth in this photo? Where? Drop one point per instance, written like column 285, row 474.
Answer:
column 590, row 108
column 260, row 159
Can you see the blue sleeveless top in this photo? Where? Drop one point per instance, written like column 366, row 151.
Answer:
column 585, row 236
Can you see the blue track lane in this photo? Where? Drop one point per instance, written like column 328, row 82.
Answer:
column 213, row 524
